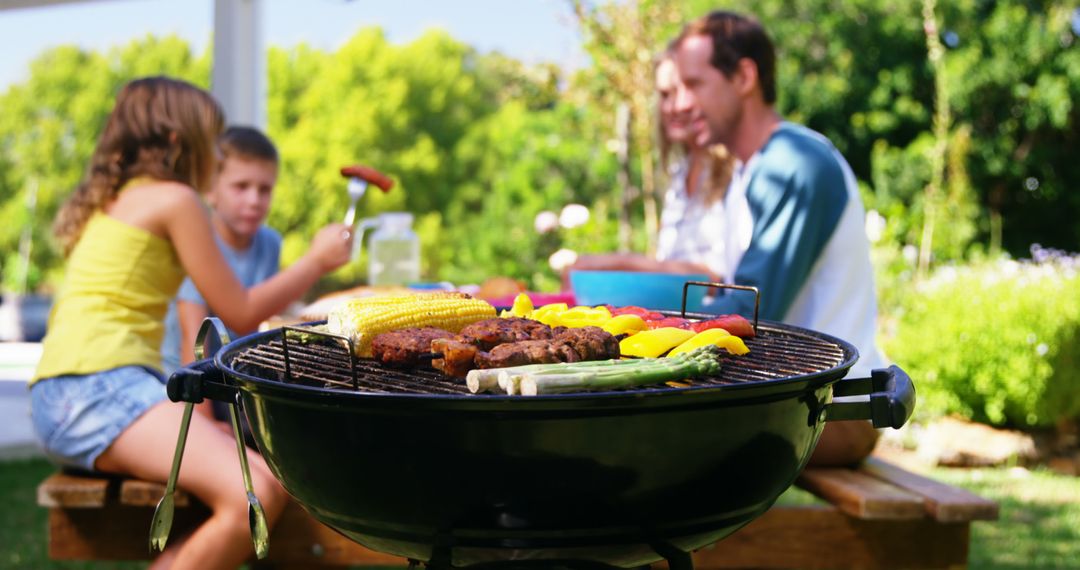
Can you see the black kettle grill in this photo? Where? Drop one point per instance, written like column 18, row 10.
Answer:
column 409, row 463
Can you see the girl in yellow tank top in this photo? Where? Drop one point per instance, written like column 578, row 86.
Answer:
column 130, row 231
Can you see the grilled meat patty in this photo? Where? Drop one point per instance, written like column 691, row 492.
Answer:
column 590, row 343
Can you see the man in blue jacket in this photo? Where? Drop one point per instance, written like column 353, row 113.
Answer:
column 798, row 231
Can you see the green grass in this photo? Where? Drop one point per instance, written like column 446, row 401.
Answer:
column 23, row 524
column 1039, row 526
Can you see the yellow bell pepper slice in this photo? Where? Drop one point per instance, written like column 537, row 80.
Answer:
column 625, row 324
column 583, row 316
column 548, row 314
column 653, row 343
column 523, row 306
column 719, row 337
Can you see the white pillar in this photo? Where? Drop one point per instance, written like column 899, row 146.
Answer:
column 238, row 80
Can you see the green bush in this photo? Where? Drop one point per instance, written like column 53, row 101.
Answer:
column 995, row 341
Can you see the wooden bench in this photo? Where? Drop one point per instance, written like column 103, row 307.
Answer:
column 876, row 516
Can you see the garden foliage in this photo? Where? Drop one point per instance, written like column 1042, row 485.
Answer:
column 997, row 342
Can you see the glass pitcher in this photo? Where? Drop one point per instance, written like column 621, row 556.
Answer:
column 393, row 250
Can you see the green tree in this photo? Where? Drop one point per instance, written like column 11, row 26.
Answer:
column 858, row 71
column 624, row 40
column 399, row 109
column 513, row 165
column 1018, row 71
column 49, row 126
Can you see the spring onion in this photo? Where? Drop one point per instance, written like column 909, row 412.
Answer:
column 597, row 375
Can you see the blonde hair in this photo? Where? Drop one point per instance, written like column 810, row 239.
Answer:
column 721, row 168
column 721, row 162
column 160, row 128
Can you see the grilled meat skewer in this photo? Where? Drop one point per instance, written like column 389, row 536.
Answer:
column 527, row 352
column 489, row 333
column 494, row 343
column 406, row 347
column 566, row 345
column 457, row 357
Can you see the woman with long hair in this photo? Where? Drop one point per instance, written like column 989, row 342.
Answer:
column 692, row 234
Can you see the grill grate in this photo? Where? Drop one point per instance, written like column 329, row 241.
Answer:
column 324, row 363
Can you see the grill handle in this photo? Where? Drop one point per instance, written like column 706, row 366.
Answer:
column 891, row 402
column 754, row 290
column 203, row 378
column 199, row 380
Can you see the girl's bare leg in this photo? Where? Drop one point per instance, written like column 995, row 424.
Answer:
column 210, row 471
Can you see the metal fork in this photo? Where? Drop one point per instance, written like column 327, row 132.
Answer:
column 357, row 187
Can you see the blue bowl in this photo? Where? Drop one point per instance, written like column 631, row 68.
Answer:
column 659, row 291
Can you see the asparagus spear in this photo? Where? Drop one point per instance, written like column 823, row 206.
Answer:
column 307, row 337
column 699, row 362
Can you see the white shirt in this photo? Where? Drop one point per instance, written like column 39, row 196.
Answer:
column 691, row 231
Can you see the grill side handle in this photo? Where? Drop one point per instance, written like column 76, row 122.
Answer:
column 199, row 380
column 891, row 401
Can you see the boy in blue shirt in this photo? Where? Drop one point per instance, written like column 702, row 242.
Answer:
column 240, row 199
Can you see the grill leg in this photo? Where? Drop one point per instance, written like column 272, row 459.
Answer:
column 529, row 565
column 677, row 559
column 440, row 559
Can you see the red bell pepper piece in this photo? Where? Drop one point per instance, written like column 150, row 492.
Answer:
column 677, row 322
column 734, row 324
column 642, row 312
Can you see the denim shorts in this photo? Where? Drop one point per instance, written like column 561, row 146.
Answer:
column 77, row 417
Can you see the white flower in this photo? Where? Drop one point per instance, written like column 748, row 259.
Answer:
column 573, row 215
column 545, row 222
column 911, row 253
column 875, row 226
column 562, row 259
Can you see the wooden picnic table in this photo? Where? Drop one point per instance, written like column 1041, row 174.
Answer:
column 875, row 516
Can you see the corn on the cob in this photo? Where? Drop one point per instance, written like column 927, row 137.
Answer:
column 394, row 299
column 363, row 319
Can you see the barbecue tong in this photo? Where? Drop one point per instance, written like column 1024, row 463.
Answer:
column 163, row 514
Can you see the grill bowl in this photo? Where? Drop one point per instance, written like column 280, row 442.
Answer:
column 619, row 478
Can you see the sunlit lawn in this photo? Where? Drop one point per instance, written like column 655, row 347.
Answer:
column 23, row 524
column 1039, row 526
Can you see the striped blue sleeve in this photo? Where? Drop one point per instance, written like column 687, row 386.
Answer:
column 796, row 201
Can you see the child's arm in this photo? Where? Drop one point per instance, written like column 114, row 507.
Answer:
column 187, row 225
